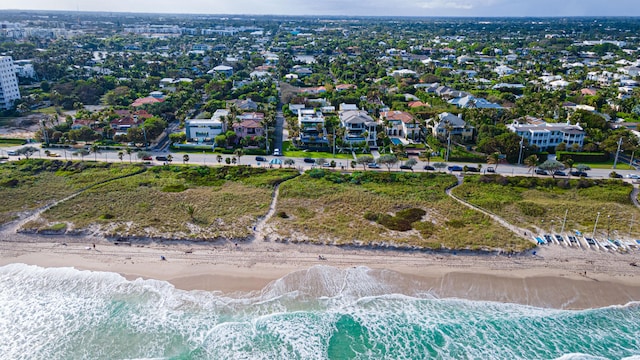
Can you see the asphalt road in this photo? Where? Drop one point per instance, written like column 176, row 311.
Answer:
column 211, row 159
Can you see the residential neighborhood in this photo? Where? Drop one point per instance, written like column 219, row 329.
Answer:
column 266, row 85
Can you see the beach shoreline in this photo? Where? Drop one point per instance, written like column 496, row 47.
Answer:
column 556, row 277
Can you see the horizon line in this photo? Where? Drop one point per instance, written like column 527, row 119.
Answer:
column 336, row 15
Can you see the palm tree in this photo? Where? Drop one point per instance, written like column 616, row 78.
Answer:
column 238, row 153
column 219, row 158
column 120, row 155
column 531, row 162
column 185, row 158
column 428, row 156
column 95, row 150
column 568, row 162
column 494, row 159
column 129, row 151
column 169, row 158
column 448, row 127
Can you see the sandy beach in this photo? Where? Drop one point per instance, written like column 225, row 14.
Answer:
column 556, row 277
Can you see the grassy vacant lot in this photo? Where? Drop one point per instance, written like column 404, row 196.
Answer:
column 29, row 184
column 380, row 207
column 182, row 202
column 533, row 203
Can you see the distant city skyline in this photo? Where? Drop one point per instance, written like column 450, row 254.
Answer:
column 497, row 8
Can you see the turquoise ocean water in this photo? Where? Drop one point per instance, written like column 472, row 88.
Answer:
column 322, row 313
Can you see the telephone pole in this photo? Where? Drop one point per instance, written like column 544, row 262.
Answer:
column 615, row 162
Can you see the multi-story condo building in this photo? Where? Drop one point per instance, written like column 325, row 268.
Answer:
column 9, row 91
column 546, row 136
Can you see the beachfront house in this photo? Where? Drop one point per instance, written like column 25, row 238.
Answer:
column 546, row 136
column 205, row 130
column 401, row 124
column 359, row 127
column 249, row 125
column 447, row 123
column 313, row 133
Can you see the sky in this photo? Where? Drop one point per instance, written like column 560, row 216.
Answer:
column 518, row 8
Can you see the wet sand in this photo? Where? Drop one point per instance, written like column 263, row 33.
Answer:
column 556, row 277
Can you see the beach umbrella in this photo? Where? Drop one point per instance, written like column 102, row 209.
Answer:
column 275, row 161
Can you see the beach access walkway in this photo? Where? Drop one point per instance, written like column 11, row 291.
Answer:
column 515, row 229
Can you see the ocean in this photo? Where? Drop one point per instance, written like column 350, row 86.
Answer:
column 321, row 313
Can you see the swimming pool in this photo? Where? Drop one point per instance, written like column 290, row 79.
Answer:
column 396, row 141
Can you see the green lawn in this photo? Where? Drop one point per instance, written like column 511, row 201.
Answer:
column 316, row 155
column 51, row 110
column 608, row 165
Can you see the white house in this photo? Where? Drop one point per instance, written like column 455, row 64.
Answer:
column 312, row 128
column 403, row 73
column 200, row 130
column 504, row 70
column 546, row 136
column 359, row 127
column 446, row 122
column 25, row 69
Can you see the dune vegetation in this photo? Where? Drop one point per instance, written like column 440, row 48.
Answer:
column 383, row 208
column 540, row 204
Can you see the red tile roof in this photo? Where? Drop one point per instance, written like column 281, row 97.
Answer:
column 146, row 100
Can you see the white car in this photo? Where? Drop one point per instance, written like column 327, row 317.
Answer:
column 276, row 152
column 633, row 176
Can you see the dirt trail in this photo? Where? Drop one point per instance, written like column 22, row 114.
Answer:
column 515, row 229
column 260, row 230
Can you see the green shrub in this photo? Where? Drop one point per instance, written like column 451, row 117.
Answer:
column 426, row 228
column 174, row 188
column 456, row 224
column 57, row 227
column 402, row 221
column 531, row 209
column 282, row 215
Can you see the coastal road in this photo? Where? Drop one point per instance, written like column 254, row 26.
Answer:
column 211, row 159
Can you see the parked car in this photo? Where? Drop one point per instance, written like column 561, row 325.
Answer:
column 12, row 153
column 373, row 166
column 579, row 173
column 429, row 167
column 615, row 175
column 541, row 172
column 261, row 159
column 406, row 167
column 454, row 168
column 559, row 173
column 54, row 155
column 276, row 152
column 491, row 169
column 309, row 160
column 633, row 176
column 472, row 169
column 326, row 164
column 161, row 158
column 147, row 158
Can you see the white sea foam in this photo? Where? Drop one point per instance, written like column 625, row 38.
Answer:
column 316, row 314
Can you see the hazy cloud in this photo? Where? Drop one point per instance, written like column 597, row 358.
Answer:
column 347, row 7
